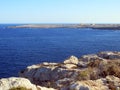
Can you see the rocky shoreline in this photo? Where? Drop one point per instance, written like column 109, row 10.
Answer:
column 92, row 26
column 99, row 71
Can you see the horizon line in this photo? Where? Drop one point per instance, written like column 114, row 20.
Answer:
column 59, row 23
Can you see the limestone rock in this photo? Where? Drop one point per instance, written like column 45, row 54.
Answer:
column 71, row 60
column 64, row 82
column 8, row 83
column 61, row 73
column 114, row 81
column 39, row 74
column 48, row 73
column 45, row 88
column 90, row 57
column 82, row 64
column 88, row 85
column 49, row 64
column 33, row 67
column 69, row 66
column 109, row 55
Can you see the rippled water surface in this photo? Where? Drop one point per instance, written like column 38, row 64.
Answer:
column 22, row 47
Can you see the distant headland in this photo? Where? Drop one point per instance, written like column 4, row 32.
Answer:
column 93, row 26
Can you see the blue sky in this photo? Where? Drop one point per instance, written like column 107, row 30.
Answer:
column 59, row 11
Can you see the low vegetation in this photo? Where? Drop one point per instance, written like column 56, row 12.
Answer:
column 100, row 69
column 19, row 88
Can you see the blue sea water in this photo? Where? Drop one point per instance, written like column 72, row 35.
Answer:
column 25, row 46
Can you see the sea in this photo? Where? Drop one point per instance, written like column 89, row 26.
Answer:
column 22, row 47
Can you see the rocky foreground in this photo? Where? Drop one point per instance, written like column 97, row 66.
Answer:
column 99, row 71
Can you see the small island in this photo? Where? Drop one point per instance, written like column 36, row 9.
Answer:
column 92, row 26
column 99, row 71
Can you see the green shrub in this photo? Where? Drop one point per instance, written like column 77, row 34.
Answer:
column 84, row 75
column 19, row 88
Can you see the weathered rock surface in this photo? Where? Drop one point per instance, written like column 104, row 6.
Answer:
column 71, row 60
column 90, row 57
column 108, row 83
column 8, row 83
column 88, row 85
column 15, row 82
column 46, row 74
column 109, row 55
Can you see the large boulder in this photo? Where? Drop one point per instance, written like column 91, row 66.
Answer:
column 71, row 60
column 13, row 82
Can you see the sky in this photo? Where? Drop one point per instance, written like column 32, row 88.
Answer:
column 59, row 11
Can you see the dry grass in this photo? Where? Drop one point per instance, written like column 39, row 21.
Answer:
column 111, row 68
column 99, row 69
